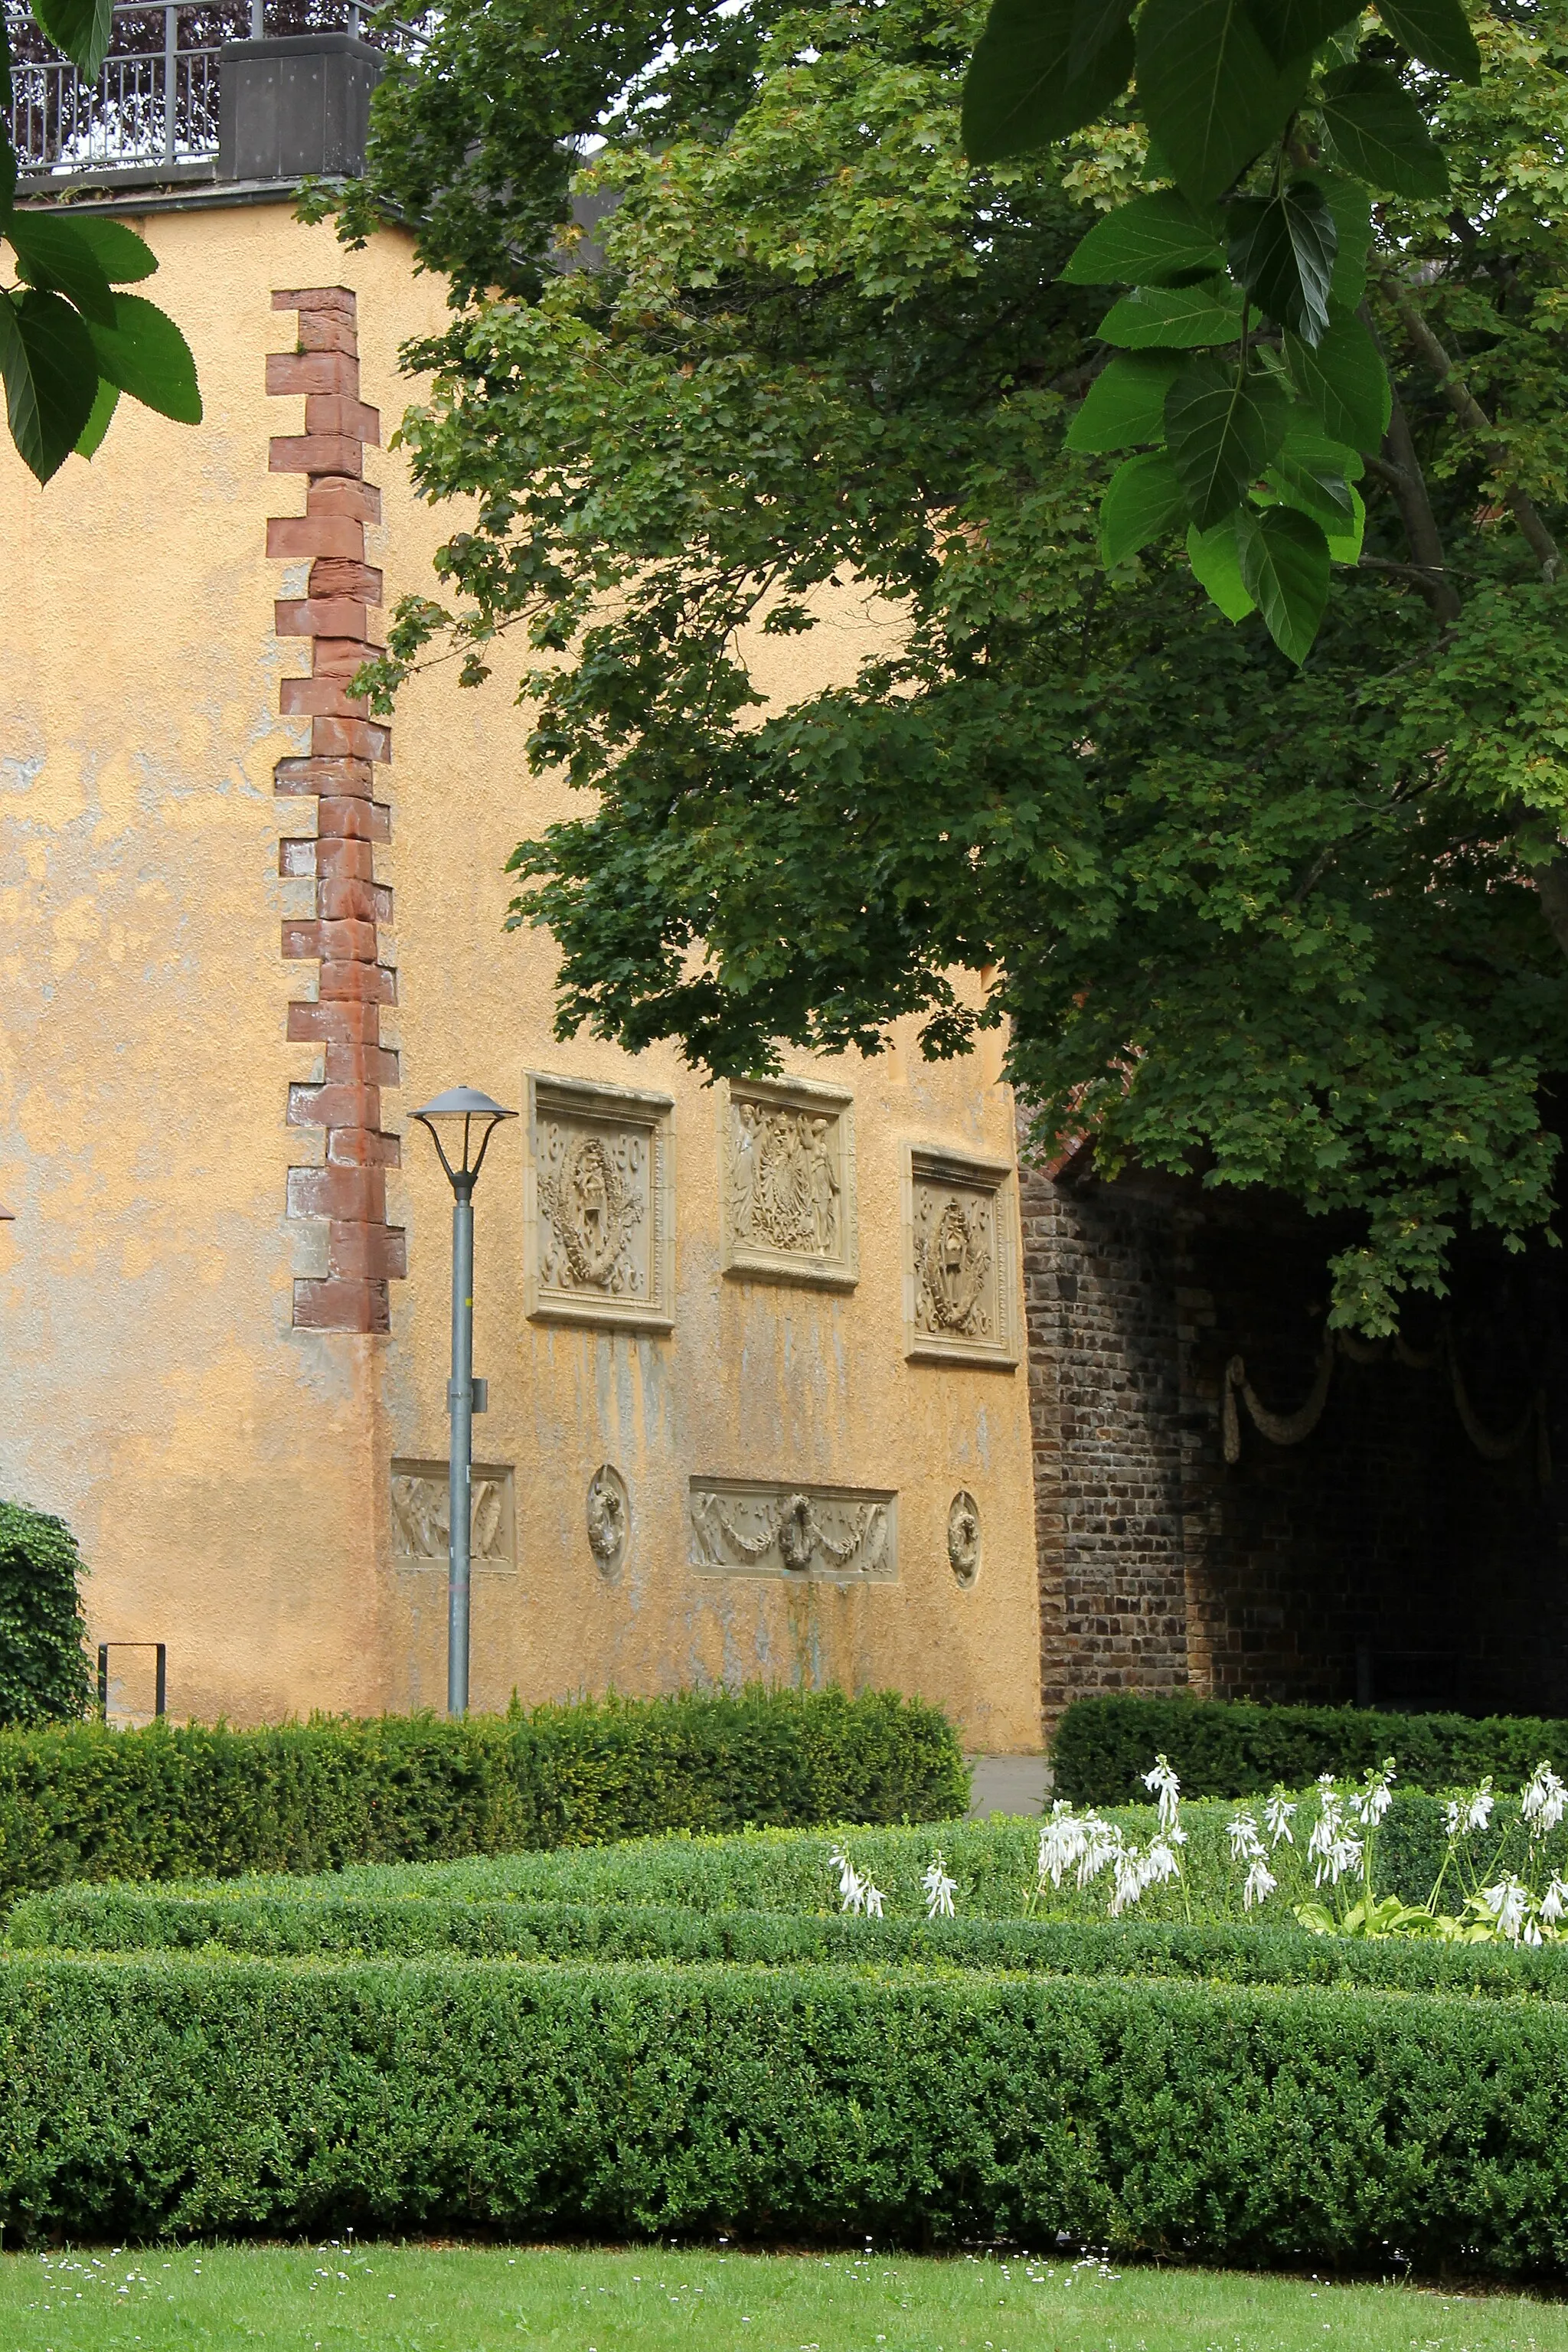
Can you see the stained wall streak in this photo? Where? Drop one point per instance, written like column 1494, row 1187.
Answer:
column 348, row 1189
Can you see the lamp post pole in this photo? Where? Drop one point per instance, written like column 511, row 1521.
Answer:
column 465, row 1395
column 460, row 1453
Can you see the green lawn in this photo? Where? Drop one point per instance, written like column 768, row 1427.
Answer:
column 468, row 2299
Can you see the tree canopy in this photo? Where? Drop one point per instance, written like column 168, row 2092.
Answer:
column 1266, row 921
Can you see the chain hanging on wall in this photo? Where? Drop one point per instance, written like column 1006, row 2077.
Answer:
column 1292, row 1428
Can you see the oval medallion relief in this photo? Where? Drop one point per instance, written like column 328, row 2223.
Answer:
column 609, row 1518
column 963, row 1538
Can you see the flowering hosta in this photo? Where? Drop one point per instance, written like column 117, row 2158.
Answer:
column 1088, row 1844
column 940, row 1890
column 855, row 1893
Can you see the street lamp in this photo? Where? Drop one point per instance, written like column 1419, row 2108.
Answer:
column 474, row 1113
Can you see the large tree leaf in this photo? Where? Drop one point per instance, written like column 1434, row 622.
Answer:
column 1344, row 545
column 1095, row 25
column 1351, row 208
column 104, row 407
column 5, row 109
column 146, row 355
column 1126, row 402
column 1143, row 500
column 1283, row 249
column 52, row 251
column 121, row 255
column 1321, row 493
column 52, row 377
column 1294, row 28
column 1019, row 94
column 1345, row 381
column 1174, row 318
column 1149, row 241
column 1216, row 565
column 1285, row 570
column 1209, row 91
column 1222, row 426
column 80, row 27
column 1377, row 132
column 1434, row 31
column 7, row 152
column 1307, row 444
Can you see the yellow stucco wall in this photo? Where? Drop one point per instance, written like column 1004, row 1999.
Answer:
column 226, row 1474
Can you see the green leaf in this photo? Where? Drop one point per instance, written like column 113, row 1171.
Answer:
column 1434, row 31
column 1344, row 546
column 1018, row 93
column 80, row 27
column 1216, row 565
column 97, row 425
column 146, row 355
column 1142, row 500
column 1345, row 381
column 1325, row 496
column 1351, row 208
column 1307, row 444
column 1174, row 318
column 1222, row 426
column 1376, row 130
column 1095, row 24
column 1209, row 91
column 1126, row 403
column 6, row 98
column 1146, row 243
column 121, row 255
column 1283, row 249
column 1285, row 570
column 1294, row 28
column 52, row 251
column 7, row 152
column 52, row 378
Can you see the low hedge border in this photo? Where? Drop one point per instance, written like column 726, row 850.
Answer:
column 1226, row 2124
column 1219, row 1748
column 116, row 1920
column 90, row 1804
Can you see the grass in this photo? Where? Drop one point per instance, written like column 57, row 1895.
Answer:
column 473, row 2299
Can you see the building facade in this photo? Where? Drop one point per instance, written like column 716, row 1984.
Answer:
column 754, row 1353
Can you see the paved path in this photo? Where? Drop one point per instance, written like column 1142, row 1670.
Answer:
column 1007, row 1784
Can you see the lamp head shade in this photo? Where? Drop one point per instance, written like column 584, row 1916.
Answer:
column 465, row 1103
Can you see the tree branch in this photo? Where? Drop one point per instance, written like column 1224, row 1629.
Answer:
column 1473, row 416
column 1408, row 483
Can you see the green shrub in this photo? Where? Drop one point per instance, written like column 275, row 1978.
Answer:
column 1218, row 2123
column 43, row 1663
column 279, row 1925
column 92, row 1803
column 1221, row 1748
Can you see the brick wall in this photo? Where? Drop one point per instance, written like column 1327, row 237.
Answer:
column 346, row 1190
column 1381, row 1552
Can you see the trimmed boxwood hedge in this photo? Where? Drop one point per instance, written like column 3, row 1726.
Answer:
column 1103, row 1746
column 91, row 1803
column 119, row 1919
column 1221, row 2123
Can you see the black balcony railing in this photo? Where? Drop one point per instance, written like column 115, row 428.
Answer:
column 155, row 105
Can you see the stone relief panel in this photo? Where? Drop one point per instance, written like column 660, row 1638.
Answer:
column 788, row 1148
column 963, row 1538
column 749, row 1526
column 420, row 1521
column 609, row 1518
column 960, row 1284
column 600, row 1232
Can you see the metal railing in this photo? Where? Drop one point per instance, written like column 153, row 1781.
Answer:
column 155, row 103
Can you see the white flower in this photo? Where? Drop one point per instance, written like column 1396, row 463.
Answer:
column 1130, row 1880
column 1102, row 1843
column 1278, row 1814
column 1164, row 1785
column 1471, row 1811
column 1554, row 1900
column 1261, row 1884
column 1509, row 1903
column 1373, row 1801
column 873, row 1899
column 1061, row 1842
column 851, row 1885
column 939, row 1891
column 1160, row 1862
column 1244, row 1842
column 1544, row 1800
column 1334, row 1845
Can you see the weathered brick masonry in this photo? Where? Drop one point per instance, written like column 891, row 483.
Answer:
column 348, row 1189
column 1381, row 1557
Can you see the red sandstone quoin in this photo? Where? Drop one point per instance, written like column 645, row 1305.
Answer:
column 349, row 1190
